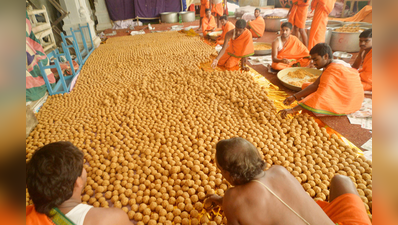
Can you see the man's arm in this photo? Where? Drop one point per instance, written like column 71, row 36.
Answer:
column 358, row 60
column 230, row 209
column 303, row 93
column 243, row 62
column 224, row 48
column 275, row 53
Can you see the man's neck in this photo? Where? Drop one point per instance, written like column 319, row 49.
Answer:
column 69, row 204
column 285, row 39
column 327, row 64
column 367, row 50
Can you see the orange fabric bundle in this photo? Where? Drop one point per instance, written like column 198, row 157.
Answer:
column 298, row 13
column 217, row 8
column 241, row 47
column 257, row 27
column 366, row 72
column 347, row 209
column 227, row 27
column 320, row 20
column 208, row 24
column 35, row 218
column 204, row 4
column 340, row 92
column 293, row 49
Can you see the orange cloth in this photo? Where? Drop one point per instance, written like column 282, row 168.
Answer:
column 364, row 15
column 366, row 72
column 208, row 24
column 298, row 13
column 257, row 27
column 35, row 218
column 241, row 47
column 204, row 4
column 347, row 209
column 340, row 92
column 320, row 20
column 217, row 8
column 305, row 85
column 293, row 49
column 227, row 27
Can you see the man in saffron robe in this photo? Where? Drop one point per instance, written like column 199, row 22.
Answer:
column 297, row 16
column 226, row 26
column 365, row 58
column 318, row 27
column 208, row 23
column 55, row 178
column 218, row 9
column 288, row 50
column 204, row 4
column 338, row 91
column 238, row 45
column 256, row 26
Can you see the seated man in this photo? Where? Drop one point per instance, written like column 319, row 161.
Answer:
column 365, row 58
column 55, row 178
column 288, row 50
column 238, row 44
column 338, row 91
column 208, row 23
column 257, row 26
column 218, row 9
column 275, row 196
column 226, row 26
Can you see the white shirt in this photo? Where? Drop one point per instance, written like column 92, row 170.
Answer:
column 77, row 214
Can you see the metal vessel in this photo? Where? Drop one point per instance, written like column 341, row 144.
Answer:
column 169, row 17
column 187, row 16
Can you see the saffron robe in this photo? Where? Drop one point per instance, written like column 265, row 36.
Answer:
column 240, row 47
column 295, row 50
column 340, row 92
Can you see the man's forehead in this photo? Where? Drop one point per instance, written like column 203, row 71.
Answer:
column 365, row 39
column 314, row 55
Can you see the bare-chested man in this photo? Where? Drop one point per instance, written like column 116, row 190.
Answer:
column 275, row 196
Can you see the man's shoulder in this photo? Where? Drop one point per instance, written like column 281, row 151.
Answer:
column 106, row 216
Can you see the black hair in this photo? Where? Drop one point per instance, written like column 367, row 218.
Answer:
column 287, row 24
column 322, row 49
column 240, row 158
column 51, row 174
column 366, row 33
column 224, row 17
column 240, row 24
column 257, row 9
column 206, row 10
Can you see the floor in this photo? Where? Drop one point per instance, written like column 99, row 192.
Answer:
column 353, row 133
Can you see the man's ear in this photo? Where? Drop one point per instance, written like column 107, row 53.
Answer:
column 79, row 183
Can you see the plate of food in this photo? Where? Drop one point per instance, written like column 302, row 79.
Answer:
column 293, row 78
column 262, row 48
column 214, row 35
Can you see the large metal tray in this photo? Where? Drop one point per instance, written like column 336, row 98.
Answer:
column 262, row 52
column 282, row 76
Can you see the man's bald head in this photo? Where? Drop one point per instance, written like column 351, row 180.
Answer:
column 240, row 24
column 240, row 158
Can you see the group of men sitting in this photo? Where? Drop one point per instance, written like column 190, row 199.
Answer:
column 338, row 91
column 55, row 178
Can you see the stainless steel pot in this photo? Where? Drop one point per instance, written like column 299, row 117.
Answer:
column 334, row 23
column 169, row 17
column 187, row 16
column 273, row 24
column 328, row 34
column 345, row 42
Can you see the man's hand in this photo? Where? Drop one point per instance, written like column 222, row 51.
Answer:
column 245, row 68
column 285, row 112
column 285, row 61
column 212, row 201
column 214, row 64
column 289, row 100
